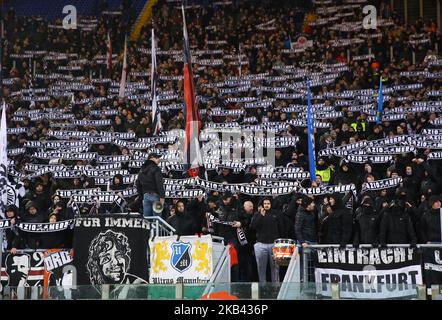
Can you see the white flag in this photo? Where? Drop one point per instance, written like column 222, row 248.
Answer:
column 123, row 74
column 156, row 115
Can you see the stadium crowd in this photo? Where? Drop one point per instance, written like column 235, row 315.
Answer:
column 406, row 213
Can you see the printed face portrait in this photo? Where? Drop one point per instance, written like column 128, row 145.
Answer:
column 17, row 268
column 113, row 264
column 109, row 258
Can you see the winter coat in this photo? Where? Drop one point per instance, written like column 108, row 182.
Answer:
column 306, row 226
column 183, row 223
column 397, row 228
column 228, row 214
column 430, row 226
column 150, row 180
column 366, row 226
column 32, row 239
column 336, row 227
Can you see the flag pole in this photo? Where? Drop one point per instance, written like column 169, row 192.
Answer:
column 311, row 137
column 3, row 146
column 380, row 102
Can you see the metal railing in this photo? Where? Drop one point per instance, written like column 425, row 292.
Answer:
column 159, row 227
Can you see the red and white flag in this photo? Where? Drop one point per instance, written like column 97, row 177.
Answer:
column 192, row 148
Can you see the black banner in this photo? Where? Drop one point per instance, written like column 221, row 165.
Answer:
column 22, row 270
column 432, row 267
column 111, row 249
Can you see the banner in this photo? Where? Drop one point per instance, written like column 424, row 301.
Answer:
column 58, row 271
column 368, row 273
column 184, row 260
column 381, row 184
column 111, row 249
column 23, row 269
column 432, row 265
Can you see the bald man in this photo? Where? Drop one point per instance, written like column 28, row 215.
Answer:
column 248, row 207
column 247, row 264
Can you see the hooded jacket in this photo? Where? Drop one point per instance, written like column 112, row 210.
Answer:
column 150, row 179
column 306, row 226
column 183, row 223
column 32, row 239
column 366, row 226
column 396, row 227
column 430, row 226
column 227, row 213
column 336, row 228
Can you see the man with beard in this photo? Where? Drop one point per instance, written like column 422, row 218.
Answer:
column 183, row 223
column 267, row 224
column 366, row 224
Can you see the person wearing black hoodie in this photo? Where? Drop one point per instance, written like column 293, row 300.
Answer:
column 117, row 182
column 396, row 226
column 13, row 236
column 32, row 215
column 183, row 222
column 366, row 224
column 344, row 175
column 150, row 184
column 335, row 228
column 430, row 225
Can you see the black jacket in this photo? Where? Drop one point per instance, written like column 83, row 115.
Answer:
column 150, row 179
column 366, row 226
column 246, row 220
column 336, row 227
column 183, row 223
column 397, row 228
column 430, row 226
column 227, row 214
column 32, row 239
column 267, row 227
column 306, row 226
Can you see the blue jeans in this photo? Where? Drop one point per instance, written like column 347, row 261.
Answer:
column 148, row 200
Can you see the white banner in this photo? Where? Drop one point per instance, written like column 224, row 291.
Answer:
column 370, row 284
column 187, row 260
